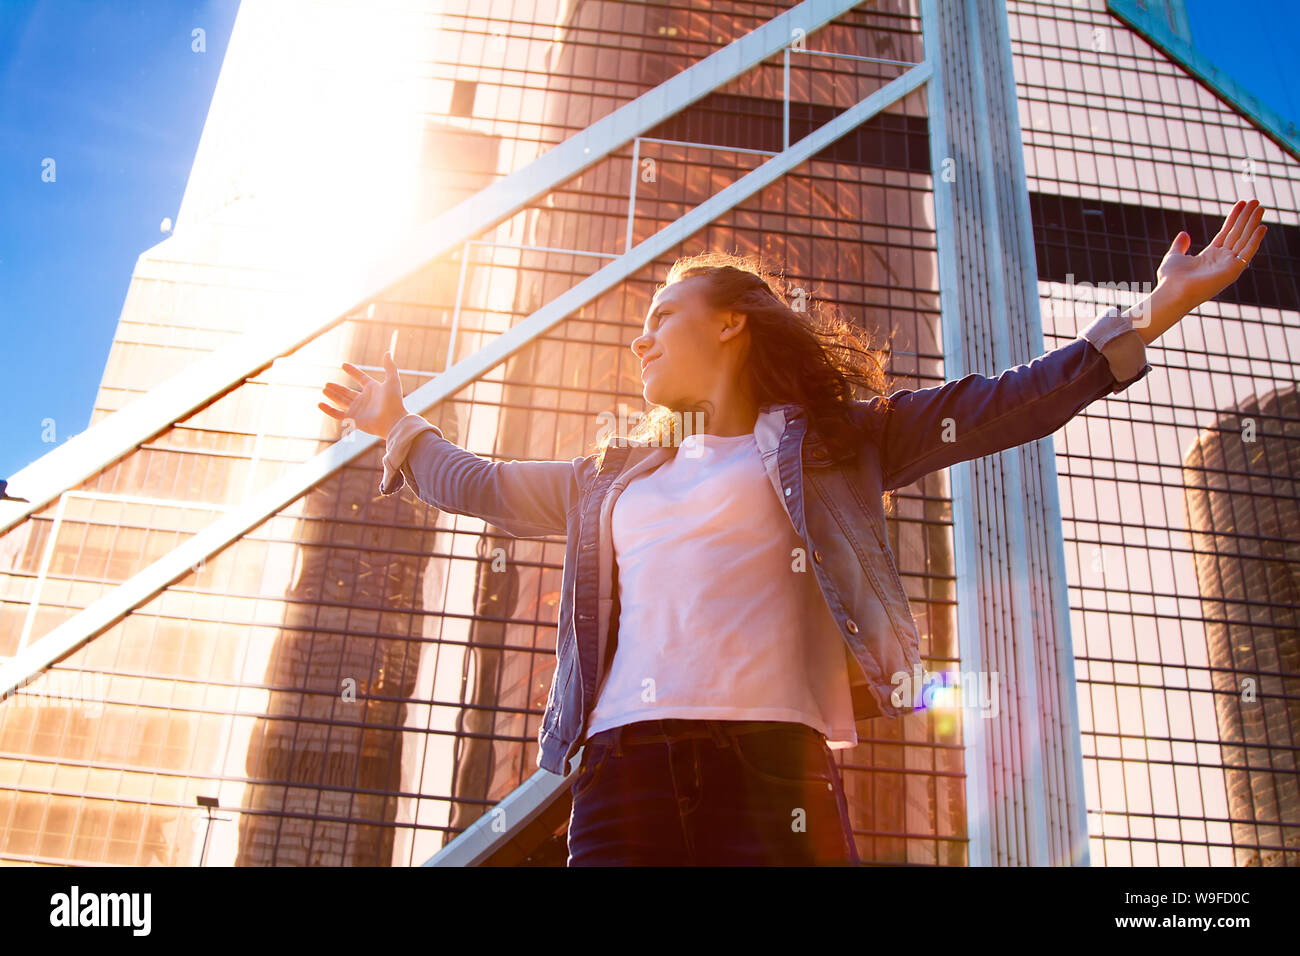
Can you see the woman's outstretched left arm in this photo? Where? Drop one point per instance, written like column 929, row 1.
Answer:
column 919, row 431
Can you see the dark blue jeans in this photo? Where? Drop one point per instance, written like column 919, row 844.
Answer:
column 709, row 793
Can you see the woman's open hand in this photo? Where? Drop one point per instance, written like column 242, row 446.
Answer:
column 1199, row 278
column 374, row 408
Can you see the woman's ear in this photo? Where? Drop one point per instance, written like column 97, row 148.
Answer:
column 733, row 324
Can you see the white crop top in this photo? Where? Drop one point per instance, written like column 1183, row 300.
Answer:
column 721, row 615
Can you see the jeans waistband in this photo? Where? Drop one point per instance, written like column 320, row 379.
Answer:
column 671, row 729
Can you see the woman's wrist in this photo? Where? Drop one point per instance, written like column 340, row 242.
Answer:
column 392, row 423
column 1159, row 311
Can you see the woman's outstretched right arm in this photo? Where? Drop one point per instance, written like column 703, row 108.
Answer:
column 524, row 498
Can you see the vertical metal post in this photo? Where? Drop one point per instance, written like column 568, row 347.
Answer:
column 46, row 557
column 455, row 314
column 785, row 101
column 631, row 192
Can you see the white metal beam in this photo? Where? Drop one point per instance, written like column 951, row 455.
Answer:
column 84, row 455
column 1014, row 599
column 961, row 484
column 485, row 836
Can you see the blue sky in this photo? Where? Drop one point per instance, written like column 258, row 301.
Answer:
column 1254, row 40
column 115, row 95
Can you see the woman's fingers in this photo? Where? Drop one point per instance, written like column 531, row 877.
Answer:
column 1239, row 223
column 340, row 393
column 363, row 402
column 1227, row 223
column 1248, row 251
column 1239, row 241
column 364, row 378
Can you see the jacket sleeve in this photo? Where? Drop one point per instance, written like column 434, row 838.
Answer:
column 526, row 499
column 923, row 430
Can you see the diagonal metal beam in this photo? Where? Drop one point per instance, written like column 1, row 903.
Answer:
column 484, row 838
column 131, row 593
column 84, row 455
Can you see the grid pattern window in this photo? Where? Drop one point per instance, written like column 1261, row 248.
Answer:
column 1178, row 496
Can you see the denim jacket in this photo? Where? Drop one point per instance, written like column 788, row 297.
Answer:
column 835, row 509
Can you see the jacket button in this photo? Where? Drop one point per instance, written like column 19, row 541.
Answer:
column 787, row 492
column 817, row 556
column 851, row 626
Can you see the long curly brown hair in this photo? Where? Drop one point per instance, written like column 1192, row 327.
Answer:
column 810, row 357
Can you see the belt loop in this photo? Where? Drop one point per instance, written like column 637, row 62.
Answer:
column 719, row 735
column 618, row 740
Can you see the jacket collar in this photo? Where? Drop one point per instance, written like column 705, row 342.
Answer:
column 768, row 430
column 628, row 460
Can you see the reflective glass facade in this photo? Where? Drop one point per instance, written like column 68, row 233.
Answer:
column 1178, row 495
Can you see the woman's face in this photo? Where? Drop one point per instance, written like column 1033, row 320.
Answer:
column 681, row 347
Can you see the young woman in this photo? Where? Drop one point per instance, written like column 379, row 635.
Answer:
column 709, row 658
